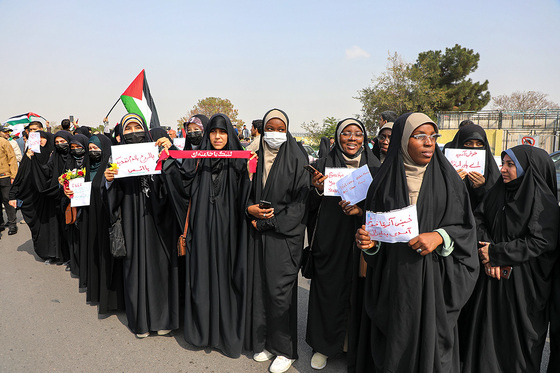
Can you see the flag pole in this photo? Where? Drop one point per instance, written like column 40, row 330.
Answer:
column 107, row 116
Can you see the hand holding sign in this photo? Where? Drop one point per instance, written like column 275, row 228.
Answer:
column 393, row 226
column 135, row 159
column 354, row 187
column 34, row 142
column 467, row 160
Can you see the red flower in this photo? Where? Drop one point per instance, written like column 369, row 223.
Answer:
column 81, row 173
column 64, row 176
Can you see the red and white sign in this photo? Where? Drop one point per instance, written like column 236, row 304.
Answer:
column 528, row 140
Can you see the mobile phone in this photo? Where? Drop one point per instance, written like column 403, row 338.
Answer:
column 310, row 169
column 71, row 119
column 506, row 272
column 265, row 204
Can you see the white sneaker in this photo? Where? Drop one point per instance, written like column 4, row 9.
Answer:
column 163, row 332
column 263, row 356
column 144, row 335
column 281, row 364
column 319, row 361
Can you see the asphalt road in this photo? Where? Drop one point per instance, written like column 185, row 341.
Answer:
column 47, row 326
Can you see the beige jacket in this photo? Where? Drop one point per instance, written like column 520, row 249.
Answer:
column 8, row 162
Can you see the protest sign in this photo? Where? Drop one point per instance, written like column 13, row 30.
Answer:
column 179, row 142
column 393, row 226
column 135, row 159
column 82, row 192
column 334, row 174
column 354, row 187
column 34, row 142
column 467, row 159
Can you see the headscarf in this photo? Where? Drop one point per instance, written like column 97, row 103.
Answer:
column 82, row 141
column 94, row 166
column 324, row 147
column 414, row 171
column 337, row 158
column 269, row 154
column 491, row 171
column 44, row 155
column 376, row 147
column 83, row 130
column 127, row 119
column 158, row 132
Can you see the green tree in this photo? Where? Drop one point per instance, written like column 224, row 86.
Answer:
column 447, row 73
column 436, row 82
column 214, row 105
column 317, row 130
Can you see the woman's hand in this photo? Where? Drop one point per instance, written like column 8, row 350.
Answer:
column 318, row 181
column 494, row 272
column 477, row 179
column 462, row 173
column 254, row 223
column 29, row 153
column 483, row 252
column 13, row 203
column 164, row 142
column 350, row 210
column 257, row 212
column 110, row 174
column 68, row 193
column 425, row 243
column 363, row 240
column 253, row 156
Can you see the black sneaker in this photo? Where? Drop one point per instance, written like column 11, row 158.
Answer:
column 13, row 230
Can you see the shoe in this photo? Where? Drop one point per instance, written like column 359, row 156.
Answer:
column 49, row 261
column 319, row 361
column 12, row 230
column 163, row 332
column 144, row 335
column 68, row 269
column 281, row 364
column 263, row 356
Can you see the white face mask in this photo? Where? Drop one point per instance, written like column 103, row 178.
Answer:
column 275, row 139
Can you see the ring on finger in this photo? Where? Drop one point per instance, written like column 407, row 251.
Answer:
column 419, row 251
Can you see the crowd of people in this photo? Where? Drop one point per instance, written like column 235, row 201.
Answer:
column 476, row 291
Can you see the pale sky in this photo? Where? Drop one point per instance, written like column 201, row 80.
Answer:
column 309, row 58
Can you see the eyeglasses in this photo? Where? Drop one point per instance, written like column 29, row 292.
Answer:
column 384, row 137
column 423, row 137
column 357, row 135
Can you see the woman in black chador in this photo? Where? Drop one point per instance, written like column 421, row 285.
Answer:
column 216, row 259
column 333, row 246
column 414, row 291
column 506, row 320
column 474, row 137
column 150, row 266
column 276, row 243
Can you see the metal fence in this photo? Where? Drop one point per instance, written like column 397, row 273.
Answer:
column 543, row 125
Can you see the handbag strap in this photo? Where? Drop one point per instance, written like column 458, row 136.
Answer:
column 187, row 219
column 315, row 229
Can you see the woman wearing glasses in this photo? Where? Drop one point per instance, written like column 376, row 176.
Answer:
column 415, row 290
column 334, row 260
column 383, row 140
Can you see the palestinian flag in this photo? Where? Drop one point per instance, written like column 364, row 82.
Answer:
column 18, row 122
column 138, row 100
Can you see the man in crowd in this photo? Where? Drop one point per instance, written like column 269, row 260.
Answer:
column 8, row 171
column 5, row 133
column 256, row 130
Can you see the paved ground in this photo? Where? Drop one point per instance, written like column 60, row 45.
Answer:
column 46, row 325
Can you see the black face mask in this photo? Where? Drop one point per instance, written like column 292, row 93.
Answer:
column 194, row 137
column 95, row 156
column 78, row 153
column 134, row 137
column 62, row 148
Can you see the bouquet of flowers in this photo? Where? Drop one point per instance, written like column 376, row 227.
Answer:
column 113, row 166
column 65, row 178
